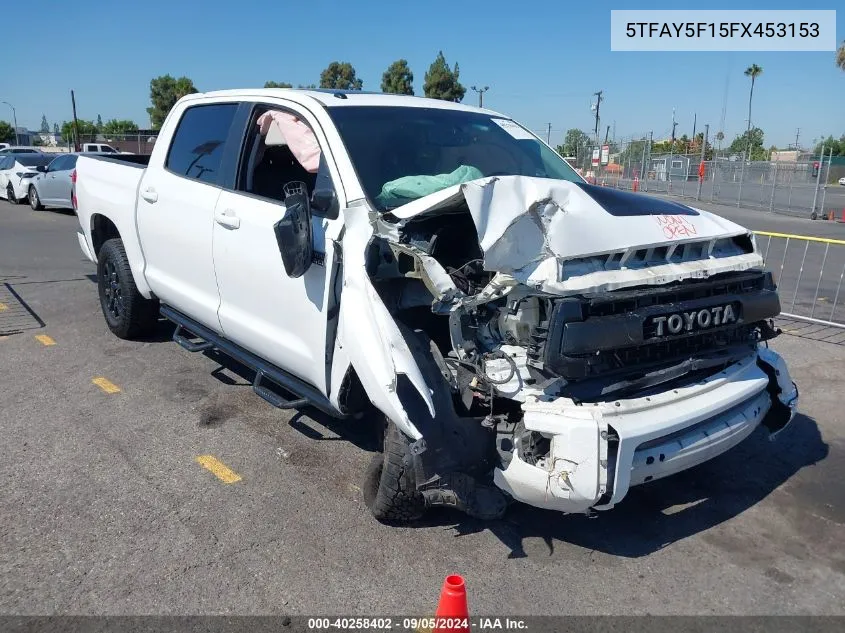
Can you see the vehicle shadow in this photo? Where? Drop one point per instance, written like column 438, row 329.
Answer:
column 361, row 431
column 655, row 515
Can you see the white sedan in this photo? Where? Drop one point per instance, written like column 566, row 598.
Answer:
column 842, row 181
column 17, row 172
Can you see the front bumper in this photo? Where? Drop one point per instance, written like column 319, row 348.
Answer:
column 599, row 450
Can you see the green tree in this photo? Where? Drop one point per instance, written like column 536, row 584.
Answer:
column 7, row 132
column 276, row 84
column 86, row 129
column 45, row 127
column 165, row 91
column 56, row 129
column 441, row 82
column 575, row 143
column 753, row 71
column 340, row 76
column 829, row 143
column 99, row 123
column 398, row 79
column 840, row 56
column 751, row 141
column 114, row 127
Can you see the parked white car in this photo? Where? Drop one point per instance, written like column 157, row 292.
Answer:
column 17, row 172
column 514, row 332
column 842, row 181
column 100, row 148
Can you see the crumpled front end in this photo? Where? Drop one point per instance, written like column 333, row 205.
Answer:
column 575, row 458
column 592, row 340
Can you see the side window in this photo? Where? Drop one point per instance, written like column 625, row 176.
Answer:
column 108, row 150
column 70, row 161
column 6, row 162
column 281, row 150
column 197, row 146
column 56, row 165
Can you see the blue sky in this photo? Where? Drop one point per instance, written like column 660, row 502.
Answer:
column 542, row 60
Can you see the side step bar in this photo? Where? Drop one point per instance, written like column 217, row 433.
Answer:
column 307, row 395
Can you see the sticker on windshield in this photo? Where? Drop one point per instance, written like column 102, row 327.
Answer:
column 513, row 129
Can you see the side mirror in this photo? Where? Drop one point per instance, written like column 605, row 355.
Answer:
column 293, row 233
column 41, row 168
column 324, row 204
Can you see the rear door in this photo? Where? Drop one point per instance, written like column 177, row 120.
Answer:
column 288, row 321
column 63, row 184
column 176, row 202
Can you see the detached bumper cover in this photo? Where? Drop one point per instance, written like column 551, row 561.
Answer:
column 657, row 436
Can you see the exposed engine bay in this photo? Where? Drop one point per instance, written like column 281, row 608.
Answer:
column 516, row 323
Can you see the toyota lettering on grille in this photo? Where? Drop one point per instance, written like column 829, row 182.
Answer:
column 692, row 320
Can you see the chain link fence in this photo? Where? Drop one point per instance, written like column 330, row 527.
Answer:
column 805, row 188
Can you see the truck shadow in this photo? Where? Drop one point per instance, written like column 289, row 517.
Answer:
column 658, row 514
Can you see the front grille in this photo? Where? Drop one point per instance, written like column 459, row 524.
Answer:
column 614, row 333
column 622, row 302
column 667, row 351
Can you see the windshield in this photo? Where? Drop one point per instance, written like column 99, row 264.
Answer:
column 402, row 153
column 34, row 160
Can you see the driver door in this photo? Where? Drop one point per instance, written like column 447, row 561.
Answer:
column 282, row 319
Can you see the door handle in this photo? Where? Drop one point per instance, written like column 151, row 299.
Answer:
column 149, row 194
column 228, row 218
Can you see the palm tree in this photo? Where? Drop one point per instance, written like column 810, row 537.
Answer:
column 752, row 71
column 840, row 56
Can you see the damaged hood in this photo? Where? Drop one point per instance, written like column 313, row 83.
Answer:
column 543, row 231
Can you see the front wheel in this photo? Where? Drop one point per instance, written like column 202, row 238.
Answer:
column 10, row 195
column 34, row 200
column 128, row 314
column 390, row 488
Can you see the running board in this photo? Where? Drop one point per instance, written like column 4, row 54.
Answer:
column 307, row 395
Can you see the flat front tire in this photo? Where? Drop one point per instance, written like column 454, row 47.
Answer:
column 390, row 488
column 128, row 314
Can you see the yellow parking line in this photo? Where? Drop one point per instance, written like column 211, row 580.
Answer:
column 45, row 340
column 220, row 470
column 105, row 384
column 3, row 307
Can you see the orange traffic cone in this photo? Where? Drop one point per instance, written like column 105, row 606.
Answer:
column 452, row 614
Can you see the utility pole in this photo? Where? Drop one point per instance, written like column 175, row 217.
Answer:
column 694, row 121
column 480, row 92
column 797, row 134
column 14, row 121
column 598, row 107
column 606, row 134
column 549, row 135
column 671, row 150
column 76, row 144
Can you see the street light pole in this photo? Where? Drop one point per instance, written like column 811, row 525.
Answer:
column 480, row 92
column 14, row 121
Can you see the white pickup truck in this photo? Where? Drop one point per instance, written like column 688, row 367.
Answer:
column 518, row 333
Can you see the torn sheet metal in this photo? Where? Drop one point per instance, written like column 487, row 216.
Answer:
column 369, row 334
column 543, row 232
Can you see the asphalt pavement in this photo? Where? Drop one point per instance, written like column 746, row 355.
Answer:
column 141, row 479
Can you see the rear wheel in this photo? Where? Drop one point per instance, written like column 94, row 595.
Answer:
column 128, row 314
column 10, row 194
column 34, row 200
